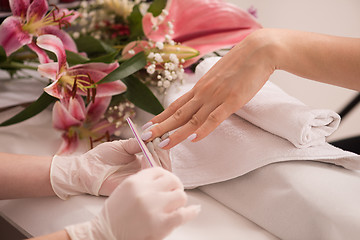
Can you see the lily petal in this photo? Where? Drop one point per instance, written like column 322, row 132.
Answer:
column 49, row 70
column 102, row 90
column 102, row 67
column 19, row 7
column 77, row 108
column 67, row 41
column 12, row 37
column 71, row 15
column 62, row 119
column 69, row 144
column 96, row 109
column 110, row 89
column 37, row 10
column 55, row 45
column 43, row 57
column 54, row 90
column 207, row 20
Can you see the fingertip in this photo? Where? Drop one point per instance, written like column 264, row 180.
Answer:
column 192, row 137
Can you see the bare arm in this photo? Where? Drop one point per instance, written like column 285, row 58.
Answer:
column 24, row 176
column 60, row 235
column 324, row 58
column 241, row 73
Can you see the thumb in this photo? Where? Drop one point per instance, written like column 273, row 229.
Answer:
column 131, row 146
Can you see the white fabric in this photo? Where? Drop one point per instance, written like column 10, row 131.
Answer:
column 296, row 200
column 237, row 147
column 147, row 205
column 281, row 114
column 97, row 171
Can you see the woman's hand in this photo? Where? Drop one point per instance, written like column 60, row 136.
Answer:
column 225, row 88
column 241, row 73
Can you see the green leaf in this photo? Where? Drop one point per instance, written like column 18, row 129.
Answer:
column 36, row 107
column 74, row 58
column 107, row 58
column 156, row 7
column 2, row 54
column 127, row 68
column 135, row 23
column 93, row 46
column 140, row 95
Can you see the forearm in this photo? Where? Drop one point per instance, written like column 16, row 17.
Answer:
column 61, row 235
column 328, row 59
column 24, row 176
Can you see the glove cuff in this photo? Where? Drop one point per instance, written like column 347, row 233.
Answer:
column 62, row 176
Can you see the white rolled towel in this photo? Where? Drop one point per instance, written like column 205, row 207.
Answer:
column 281, row 114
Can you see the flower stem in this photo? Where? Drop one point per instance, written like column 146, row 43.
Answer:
column 10, row 65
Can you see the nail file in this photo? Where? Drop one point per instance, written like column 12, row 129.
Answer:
column 143, row 147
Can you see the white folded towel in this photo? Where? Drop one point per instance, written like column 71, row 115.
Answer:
column 279, row 113
column 237, row 147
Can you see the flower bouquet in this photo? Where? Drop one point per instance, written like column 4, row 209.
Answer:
column 103, row 59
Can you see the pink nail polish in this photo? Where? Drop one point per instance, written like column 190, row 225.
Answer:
column 192, row 137
column 146, row 125
column 164, row 143
column 146, row 135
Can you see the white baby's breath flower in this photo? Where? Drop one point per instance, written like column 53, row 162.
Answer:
column 158, row 58
column 76, row 35
column 151, row 69
column 131, row 52
column 159, row 45
column 173, row 58
column 171, row 66
column 165, row 12
column 167, row 37
column 151, row 55
column 166, row 84
column 170, row 25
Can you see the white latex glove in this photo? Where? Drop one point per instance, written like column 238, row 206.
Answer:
column 146, row 206
column 97, row 172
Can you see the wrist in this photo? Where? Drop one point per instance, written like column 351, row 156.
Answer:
column 267, row 48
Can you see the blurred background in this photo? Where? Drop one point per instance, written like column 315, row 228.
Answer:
column 336, row 17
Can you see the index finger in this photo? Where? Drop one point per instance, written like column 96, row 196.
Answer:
column 172, row 108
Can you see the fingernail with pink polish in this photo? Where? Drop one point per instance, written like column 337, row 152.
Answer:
column 146, row 125
column 164, row 143
column 192, row 137
column 146, row 135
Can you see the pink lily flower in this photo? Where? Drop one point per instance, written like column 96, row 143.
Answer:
column 79, row 79
column 206, row 25
column 31, row 19
column 80, row 122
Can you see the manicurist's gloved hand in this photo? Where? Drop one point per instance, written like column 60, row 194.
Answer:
column 97, row 172
column 147, row 205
